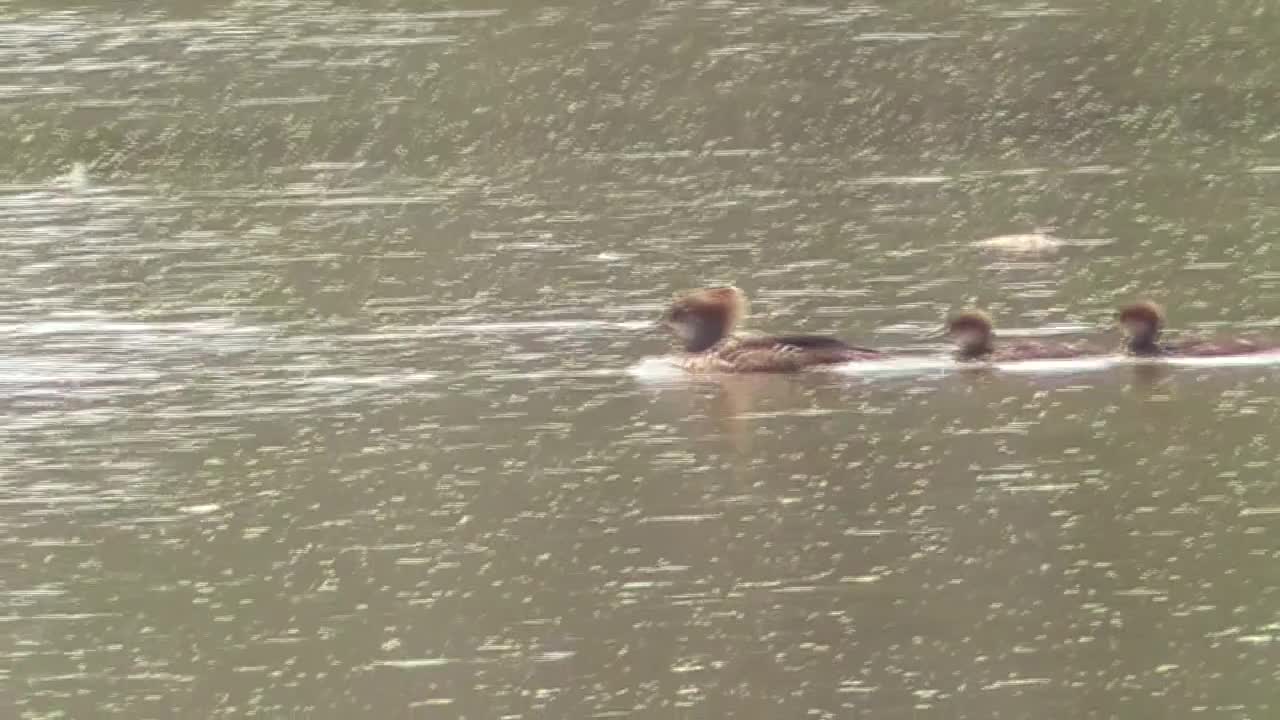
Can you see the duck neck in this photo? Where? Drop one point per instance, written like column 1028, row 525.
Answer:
column 976, row 350
column 1144, row 344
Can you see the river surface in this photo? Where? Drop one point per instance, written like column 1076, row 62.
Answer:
column 328, row 390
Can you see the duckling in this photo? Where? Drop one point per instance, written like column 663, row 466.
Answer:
column 974, row 336
column 1142, row 322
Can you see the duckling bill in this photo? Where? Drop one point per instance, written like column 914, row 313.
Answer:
column 704, row 321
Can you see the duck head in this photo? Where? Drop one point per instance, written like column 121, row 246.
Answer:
column 1141, row 322
column 702, row 318
column 972, row 333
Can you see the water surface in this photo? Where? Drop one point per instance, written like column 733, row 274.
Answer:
column 323, row 321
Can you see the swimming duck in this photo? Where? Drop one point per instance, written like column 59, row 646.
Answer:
column 704, row 321
column 1143, row 321
column 974, row 336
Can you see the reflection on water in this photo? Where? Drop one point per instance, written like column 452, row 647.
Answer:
column 328, row 389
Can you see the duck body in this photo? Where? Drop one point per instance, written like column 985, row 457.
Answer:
column 774, row 354
column 704, row 321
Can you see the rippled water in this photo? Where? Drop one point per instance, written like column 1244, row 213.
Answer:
column 328, row 389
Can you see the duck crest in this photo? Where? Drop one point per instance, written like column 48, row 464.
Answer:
column 702, row 318
column 1142, row 322
column 973, row 333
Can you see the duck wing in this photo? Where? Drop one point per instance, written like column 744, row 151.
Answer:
column 788, row 353
column 816, row 342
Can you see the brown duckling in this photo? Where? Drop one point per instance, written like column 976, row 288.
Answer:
column 974, row 336
column 1142, row 322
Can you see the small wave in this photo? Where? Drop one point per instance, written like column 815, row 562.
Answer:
column 1036, row 242
column 665, row 369
column 80, row 324
column 1251, row 360
column 75, row 180
column 1046, row 367
column 22, row 373
column 896, row 366
column 657, row 369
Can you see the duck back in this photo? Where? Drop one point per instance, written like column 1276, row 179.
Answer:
column 788, row 353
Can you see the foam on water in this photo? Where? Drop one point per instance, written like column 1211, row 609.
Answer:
column 665, row 369
column 897, row 366
column 924, row 365
column 1067, row 365
column 657, row 369
column 1251, row 360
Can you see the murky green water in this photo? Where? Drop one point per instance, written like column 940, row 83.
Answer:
column 317, row 388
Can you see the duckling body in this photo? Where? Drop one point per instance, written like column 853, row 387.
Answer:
column 1030, row 350
column 975, row 337
column 1143, row 321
